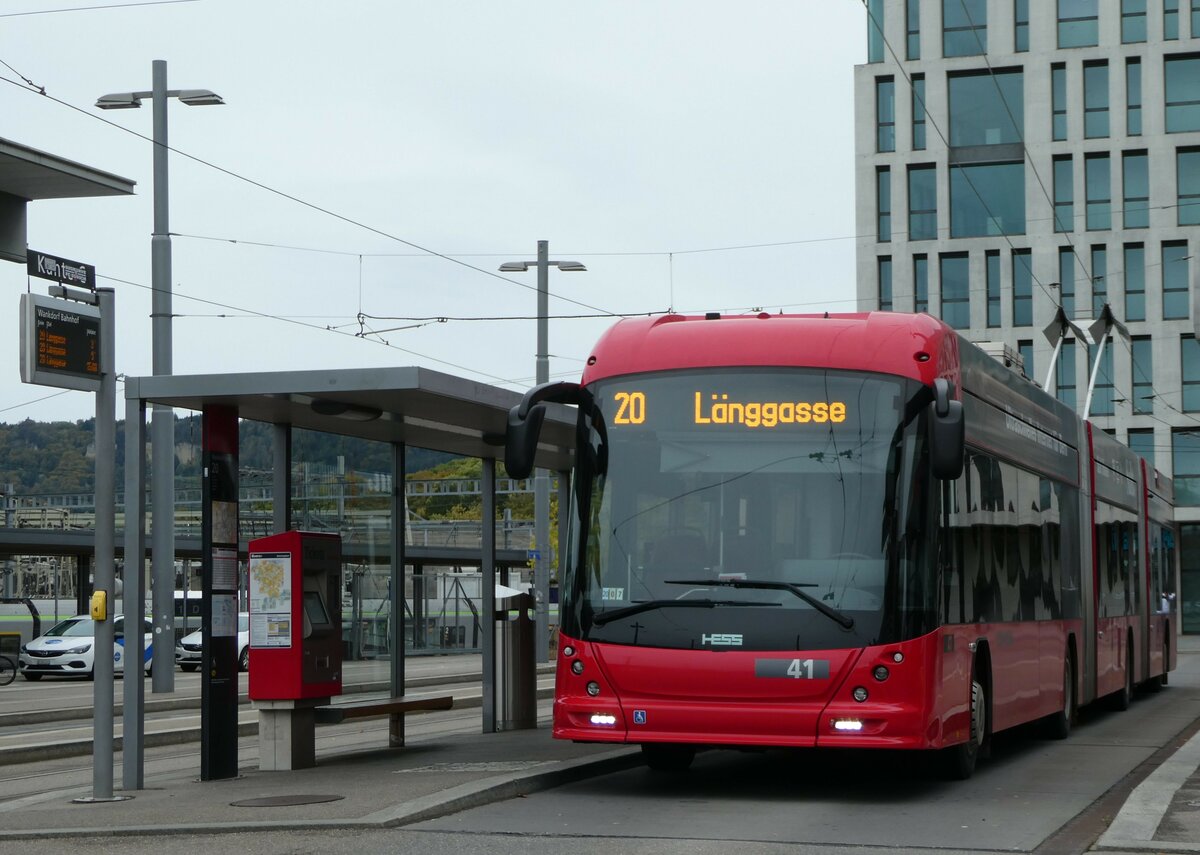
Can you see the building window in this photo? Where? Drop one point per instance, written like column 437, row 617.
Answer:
column 1182, row 75
column 1025, row 348
column 1097, row 179
column 920, row 283
column 1170, row 19
column 885, row 283
column 993, row 287
column 1099, row 279
column 1142, row 352
column 883, row 203
column 1064, row 193
column 1196, row 19
column 918, row 112
column 1078, row 23
column 1189, row 358
column 922, row 202
column 1135, row 184
column 1185, row 466
column 956, row 290
column 1102, row 390
column 964, row 27
column 1187, row 184
column 874, row 30
column 912, row 25
column 986, row 109
column 1175, row 279
column 1066, row 279
column 1133, row 96
column 1133, row 21
column 1135, row 282
column 1141, row 443
column 1095, row 99
column 1022, row 289
column 885, row 114
column 1021, row 26
column 1058, row 100
column 1065, row 373
column 987, row 199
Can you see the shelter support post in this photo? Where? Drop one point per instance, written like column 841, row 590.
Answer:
column 488, row 592
column 133, row 591
column 396, row 640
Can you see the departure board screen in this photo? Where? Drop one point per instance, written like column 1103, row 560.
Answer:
column 60, row 343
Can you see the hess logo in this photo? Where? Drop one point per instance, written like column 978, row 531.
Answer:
column 727, row 639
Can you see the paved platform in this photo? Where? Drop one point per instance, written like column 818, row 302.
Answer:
column 371, row 788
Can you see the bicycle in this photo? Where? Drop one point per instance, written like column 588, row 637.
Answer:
column 8, row 670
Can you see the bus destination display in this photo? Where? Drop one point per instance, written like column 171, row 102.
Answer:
column 60, row 343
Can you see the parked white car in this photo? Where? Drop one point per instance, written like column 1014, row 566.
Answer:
column 189, row 651
column 69, row 647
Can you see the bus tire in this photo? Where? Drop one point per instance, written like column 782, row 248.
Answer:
column 1058, row 725
column 668, row 758
column 958, row 761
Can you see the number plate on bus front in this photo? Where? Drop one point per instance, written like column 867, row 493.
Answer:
column 792, row 669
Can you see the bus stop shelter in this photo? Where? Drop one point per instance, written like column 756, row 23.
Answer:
column 399, row 406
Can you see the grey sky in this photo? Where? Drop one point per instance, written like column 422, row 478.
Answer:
column 622, row 132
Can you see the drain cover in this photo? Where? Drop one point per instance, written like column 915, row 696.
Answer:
column 284, row 801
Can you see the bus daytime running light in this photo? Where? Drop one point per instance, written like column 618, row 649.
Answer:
column 881, row 673
column 897, row 657
column 576, row 667
column 860, row 694
column 568, row 651
column 850, row 724
column 604, row 719
column 593, row 688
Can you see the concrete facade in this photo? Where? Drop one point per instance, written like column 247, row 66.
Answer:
column 1165, row 417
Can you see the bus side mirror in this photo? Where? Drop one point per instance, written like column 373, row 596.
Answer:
column 947, row 433
column 521, row 439
column 525, row 424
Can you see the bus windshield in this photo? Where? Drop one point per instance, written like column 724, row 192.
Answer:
column 769, row 509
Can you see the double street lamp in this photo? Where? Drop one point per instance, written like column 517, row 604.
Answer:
column 162, row 424
column 541, row 478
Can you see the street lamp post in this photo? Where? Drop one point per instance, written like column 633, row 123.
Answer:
column 541, row 478
column 162, row 422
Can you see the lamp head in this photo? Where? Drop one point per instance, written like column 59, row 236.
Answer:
column 571, row 266
column 119, row 101
column 199, row 97
column 514, row 267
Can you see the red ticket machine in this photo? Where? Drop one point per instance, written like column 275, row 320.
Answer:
column 295, row 616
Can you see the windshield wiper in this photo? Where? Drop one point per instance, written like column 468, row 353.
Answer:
column 650, row 605
column 796, row 588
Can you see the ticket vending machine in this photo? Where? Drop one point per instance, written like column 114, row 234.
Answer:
column 295, row 616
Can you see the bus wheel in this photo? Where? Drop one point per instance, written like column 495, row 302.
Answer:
column 668, row 758
column 1058, row 725
column 958, row 761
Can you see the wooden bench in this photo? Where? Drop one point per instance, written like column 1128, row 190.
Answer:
column 393, row 708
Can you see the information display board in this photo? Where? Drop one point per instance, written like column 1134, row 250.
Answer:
column 60, row 343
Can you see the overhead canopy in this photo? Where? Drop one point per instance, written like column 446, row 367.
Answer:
column 412, row 405
column 27, row 175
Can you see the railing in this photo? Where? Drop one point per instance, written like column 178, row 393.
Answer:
column 355, row 504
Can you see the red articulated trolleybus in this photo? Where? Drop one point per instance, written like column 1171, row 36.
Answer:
column 851, row 531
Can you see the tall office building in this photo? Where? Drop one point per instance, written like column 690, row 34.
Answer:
column 1018, row 156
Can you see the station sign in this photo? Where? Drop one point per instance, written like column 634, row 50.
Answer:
column 60, row 343
column 61, row 270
